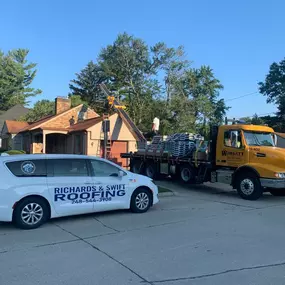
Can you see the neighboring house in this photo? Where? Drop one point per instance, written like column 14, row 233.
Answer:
column 78, row 130
column 9, row 134
column 13, row 114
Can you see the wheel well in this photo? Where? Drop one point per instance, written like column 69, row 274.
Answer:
column 241, row 171
column 145, row 188
column 137, row 162
column 34, row 196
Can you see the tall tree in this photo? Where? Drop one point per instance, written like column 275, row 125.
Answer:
column 154, row 81
column 202, row 88
column 86, row 85
column 256, row 120
column 129, row 67
column 274, row 88
column 16, row 77
column 40, row 110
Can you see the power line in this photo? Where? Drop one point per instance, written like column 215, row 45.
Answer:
column 258, row 115
column 235, row 98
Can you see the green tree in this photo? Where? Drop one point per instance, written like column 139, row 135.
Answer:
column 40, row 110
column 86, row 85
column 128, row 67
column 154, row 81
column 76, row 100
column 201, row 88
column 274, row 88
column 16, row 77
column 256, row 120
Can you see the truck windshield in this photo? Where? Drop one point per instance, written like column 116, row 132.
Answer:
column 259, row 139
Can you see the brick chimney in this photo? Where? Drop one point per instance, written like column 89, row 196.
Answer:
column 62, row 104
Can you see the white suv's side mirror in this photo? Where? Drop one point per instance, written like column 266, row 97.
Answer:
column 121, row 173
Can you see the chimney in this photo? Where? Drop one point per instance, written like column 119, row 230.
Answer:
column 62, row 104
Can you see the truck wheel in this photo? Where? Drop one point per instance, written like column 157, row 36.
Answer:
column 31, row 213
column 141, row 200
column 138, row 167
column 150, row 170
column 187, row 174
column 248, row 187
column 277, row 192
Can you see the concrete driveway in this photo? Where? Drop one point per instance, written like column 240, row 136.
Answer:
column 198, row 236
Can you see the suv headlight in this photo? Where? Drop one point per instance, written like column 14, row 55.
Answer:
column 280, row 175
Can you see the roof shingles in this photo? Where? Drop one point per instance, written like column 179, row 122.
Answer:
column 13, row 127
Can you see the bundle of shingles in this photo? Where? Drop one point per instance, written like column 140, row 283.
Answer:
column 177, row 145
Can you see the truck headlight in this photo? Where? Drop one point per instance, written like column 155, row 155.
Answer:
column 280, row 175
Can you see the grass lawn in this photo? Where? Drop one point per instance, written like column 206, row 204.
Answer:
column 162, row 189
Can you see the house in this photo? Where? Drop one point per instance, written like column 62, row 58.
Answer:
column 77, row 130
column 14, row 113
column 10, row 139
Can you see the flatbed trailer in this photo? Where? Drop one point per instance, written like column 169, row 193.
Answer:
column 252, row 165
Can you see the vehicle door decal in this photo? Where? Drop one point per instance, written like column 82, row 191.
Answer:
column 89, row 194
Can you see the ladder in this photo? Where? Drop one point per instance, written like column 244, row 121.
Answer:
column 109, row 142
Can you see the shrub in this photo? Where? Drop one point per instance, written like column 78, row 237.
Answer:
column 14, row 152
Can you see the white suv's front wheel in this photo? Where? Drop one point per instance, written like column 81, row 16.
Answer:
column 141, row 200
column 31, row 213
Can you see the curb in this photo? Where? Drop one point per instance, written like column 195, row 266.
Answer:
column 166, row 194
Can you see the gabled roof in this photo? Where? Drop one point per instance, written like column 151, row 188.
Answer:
column 13, row 127
column 84, row 125
column 14, row 113
column 38, row 123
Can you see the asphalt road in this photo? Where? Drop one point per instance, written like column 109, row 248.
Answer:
column 198, row 236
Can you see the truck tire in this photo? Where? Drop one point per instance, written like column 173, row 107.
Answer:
column 187, row 174
column 248, row 186
column 277, row 192
column 138, row 167
column 151, row 170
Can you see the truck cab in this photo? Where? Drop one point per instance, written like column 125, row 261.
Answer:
column 246, row 158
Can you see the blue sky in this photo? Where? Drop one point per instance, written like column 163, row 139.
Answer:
column 238, row 39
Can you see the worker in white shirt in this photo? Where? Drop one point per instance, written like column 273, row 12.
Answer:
column 155, row 125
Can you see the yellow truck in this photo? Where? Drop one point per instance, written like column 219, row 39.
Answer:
column 243, row 156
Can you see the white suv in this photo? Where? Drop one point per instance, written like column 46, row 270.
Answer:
column 35, row 188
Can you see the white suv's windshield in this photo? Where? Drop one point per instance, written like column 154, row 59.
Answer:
column 259, row 139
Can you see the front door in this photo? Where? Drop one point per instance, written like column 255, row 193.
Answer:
column 70, row 186
column 232, row 153
column 111, row 189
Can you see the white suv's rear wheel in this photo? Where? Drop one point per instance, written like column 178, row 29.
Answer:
column 31, row 213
